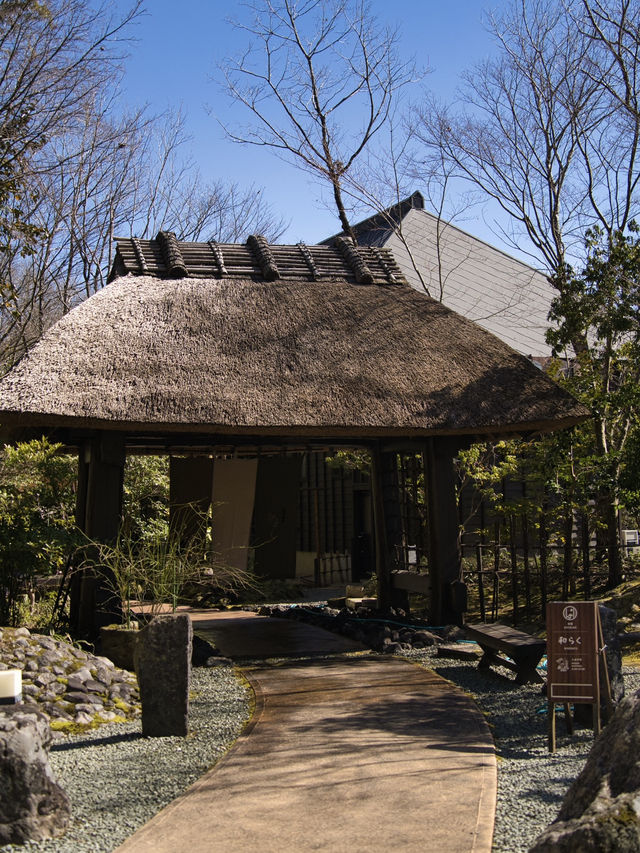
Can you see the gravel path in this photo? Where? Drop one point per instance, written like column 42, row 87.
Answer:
column 117, row 779
column 531, row 782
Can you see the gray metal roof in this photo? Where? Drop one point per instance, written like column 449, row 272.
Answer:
column 505, row 296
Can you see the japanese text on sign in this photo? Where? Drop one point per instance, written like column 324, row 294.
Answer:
column 572, row 651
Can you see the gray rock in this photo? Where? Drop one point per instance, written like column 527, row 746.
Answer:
column 83, row 719
column 453, row 632
column 583, row 714
column 613, row 652
column 426, row 638
column 215, row 660
column 163, row 666
column 33, row 806
column 202, row 651
column 601, row 809
column 75, row 696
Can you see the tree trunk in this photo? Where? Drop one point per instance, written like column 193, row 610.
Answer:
column 609, row 509
column 342, row 213
column 586, row 560
column 527, row 570
column 544, row 579
column 567, row 562
column 514, row 569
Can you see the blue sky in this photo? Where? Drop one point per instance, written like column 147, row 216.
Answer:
column 174, row 58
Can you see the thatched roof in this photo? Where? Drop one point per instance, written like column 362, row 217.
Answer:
column 294, row 344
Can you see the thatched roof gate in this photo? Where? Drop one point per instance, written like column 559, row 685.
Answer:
column 203, row 346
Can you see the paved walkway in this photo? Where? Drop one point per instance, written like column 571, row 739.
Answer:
column 350, row 753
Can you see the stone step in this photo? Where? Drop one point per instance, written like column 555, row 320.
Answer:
column 460, row 651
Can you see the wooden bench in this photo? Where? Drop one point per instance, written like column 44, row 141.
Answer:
column 524, row 650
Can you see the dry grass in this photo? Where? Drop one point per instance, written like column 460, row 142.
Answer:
column 293, row 356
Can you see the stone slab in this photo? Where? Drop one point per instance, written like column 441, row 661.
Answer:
column 163, row 667
column 459, row 651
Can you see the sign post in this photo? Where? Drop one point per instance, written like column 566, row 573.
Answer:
column 573, row 648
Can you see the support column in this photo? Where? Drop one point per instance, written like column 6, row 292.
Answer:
column 383, row 554
column 275, row 516
column 190, row 489
column 443, row 531
column 98, row 515
column 393, row 522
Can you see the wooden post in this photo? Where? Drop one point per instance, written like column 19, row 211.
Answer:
column 190, row 490
column 514, row 568
column 483, row 611
column 98, row 515
column 443, row 528
column 383, row 557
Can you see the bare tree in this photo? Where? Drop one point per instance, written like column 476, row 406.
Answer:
column 540, row 135
column 549, row 131
column 55, row 55
column 113, row 175
column 318, row 79
column 76, row 169
column 612, row 27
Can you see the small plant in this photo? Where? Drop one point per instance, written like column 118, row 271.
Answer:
column 156, row 570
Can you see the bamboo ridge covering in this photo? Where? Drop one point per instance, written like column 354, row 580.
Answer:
column 166, row 257
column 303, row 349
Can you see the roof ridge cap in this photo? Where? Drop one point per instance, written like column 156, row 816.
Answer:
column 172, row 255
column 353, row 257
column 261, row 251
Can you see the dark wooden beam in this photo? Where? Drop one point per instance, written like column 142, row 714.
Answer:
column 190, row 492
column 443, row 530
column 383, row 557
column 98, row 514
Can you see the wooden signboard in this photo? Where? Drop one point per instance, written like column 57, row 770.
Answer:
column 573, row 650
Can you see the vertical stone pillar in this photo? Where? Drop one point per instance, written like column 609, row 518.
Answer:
column 163, row 667
column 443, row 530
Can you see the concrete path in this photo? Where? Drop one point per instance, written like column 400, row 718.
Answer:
column 239, row 634
column 350, row 753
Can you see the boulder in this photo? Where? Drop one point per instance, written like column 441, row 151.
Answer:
column 601, row 809
column 32, row 806
column 613, row 651
column 202, row 650
column 163, row 666
column 583, row 714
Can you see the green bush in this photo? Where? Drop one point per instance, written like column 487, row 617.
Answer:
column 37, row 524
